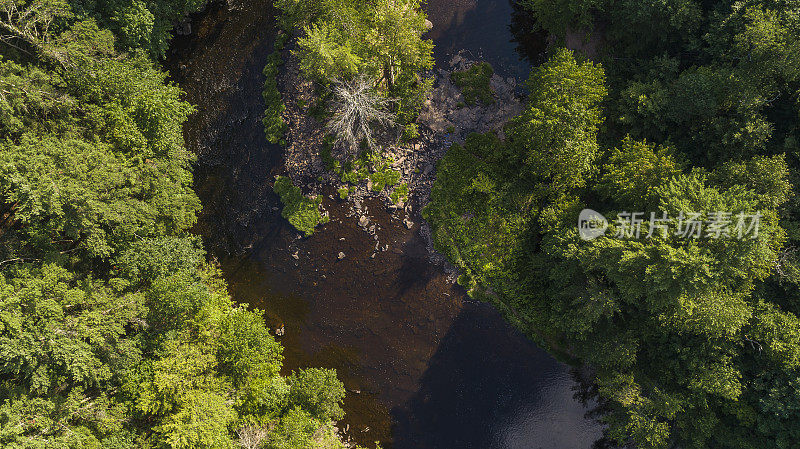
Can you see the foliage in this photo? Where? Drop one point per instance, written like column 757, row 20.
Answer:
column 559, row 16
column 384, row 177
column 369, row 166
column 274, row 124
column 474, row 83
column 139, row 25
column 557, row 131
column 317, row 391
column 302, row 212
column 114, row 331
column 714, row 78
column 399, row 194
column 375, row 43
column 682, row 335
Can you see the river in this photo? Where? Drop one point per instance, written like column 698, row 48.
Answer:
column 424, row 366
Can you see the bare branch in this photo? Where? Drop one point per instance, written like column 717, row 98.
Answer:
column 356, row 109
column 251, row 437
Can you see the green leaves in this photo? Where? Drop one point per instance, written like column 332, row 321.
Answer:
column 474, row 83
column 675, row 329
column 299, row 430
column 58, row 333
column 379, row 41
column 187, row 398
column 114, row 331
column 247, row 350
column 326, row 53
column 556, row 134
column 95, row 158
column 317, row 391
column 302, row 212
column 633, row 169
column 78, row 191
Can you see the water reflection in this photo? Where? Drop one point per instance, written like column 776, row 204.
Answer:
column 497, row 31
column 488, row 387
column 445, row 15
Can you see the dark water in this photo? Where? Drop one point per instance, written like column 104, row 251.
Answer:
column 425, row 367
column 491, row 30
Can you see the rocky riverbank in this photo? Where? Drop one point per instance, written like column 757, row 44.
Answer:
column 445, row 120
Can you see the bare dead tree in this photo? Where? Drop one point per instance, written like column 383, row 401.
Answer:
column 356, row 110
column 251, row 437
column 754, row 344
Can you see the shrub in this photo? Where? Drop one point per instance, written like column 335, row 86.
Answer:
column 400, row 193
column 302, row 212
column 274, row 125
column 474, row 83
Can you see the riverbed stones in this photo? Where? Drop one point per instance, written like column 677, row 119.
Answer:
column 443, row 121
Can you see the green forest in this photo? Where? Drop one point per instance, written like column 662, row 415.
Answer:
column 115, row 332
column 687, row 105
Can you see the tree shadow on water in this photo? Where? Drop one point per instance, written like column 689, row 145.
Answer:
column 415, row 270
column 488, row 387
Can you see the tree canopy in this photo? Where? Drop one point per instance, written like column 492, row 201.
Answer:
column 380, row 42
column 688, row 106
column 114, row 331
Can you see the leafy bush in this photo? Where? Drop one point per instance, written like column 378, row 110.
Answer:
column 384, row 177
column 317, row 391
column 475, row 83
column 274, row 124
column 302, row 212
column 400, row 193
